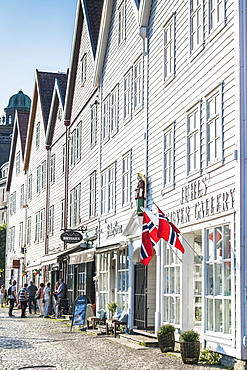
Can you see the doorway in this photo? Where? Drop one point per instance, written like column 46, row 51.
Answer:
column 140, row 296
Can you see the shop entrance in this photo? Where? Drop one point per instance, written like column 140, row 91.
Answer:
column 197, row 281
column 140, row 296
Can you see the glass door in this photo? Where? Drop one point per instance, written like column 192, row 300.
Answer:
column 197, row 280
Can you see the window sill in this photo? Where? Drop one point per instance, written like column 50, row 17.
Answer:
column 215, row 31
column 106, row 139
column 127, row 120
column 214, row 165
column 168, row 80
column 193, row 175
column 196, row 52
column 167, row 189
column 138, row 109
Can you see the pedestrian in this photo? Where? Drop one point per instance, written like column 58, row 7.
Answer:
column 12, row 298
column 47, row 298
column 23, row 297
column 61, row 293
column 40, row 294
column 32, row 289
column 3, row 295
column 55, row 306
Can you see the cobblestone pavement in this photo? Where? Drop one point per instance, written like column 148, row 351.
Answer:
column 39, row 343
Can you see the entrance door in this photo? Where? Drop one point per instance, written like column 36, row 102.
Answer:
column 140, row 296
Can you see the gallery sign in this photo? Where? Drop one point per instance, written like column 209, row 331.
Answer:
column 71, row 237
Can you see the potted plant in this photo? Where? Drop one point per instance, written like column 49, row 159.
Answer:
column 190, row 347
column 112, row 306
column 166, row 338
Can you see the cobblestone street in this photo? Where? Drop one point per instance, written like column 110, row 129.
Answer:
column 38, row 343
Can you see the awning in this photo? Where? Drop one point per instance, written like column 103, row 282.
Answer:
column 82, row 257
column 108, row 249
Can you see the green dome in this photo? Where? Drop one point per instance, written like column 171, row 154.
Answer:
column 19, row 101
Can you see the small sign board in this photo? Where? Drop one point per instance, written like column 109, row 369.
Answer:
column 79, row 313
column 71, row 237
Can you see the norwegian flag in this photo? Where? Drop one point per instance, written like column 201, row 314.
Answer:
column 149, row 239
column 168, row 231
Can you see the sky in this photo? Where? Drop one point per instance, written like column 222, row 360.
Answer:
column 34, row 34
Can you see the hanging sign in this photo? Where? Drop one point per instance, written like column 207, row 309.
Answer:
column 71, row 237
column 79, row 313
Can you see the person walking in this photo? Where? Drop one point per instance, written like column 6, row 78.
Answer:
column 47, row 296
column 23, row 297
column 55, row 306
column 12, row 298
column 40, row 293
column 32, row 289
column 3, row 294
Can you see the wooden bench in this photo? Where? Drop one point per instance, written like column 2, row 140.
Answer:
column 114, row 324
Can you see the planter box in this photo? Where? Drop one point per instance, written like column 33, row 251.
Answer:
column 190, row 352
column 166, row 342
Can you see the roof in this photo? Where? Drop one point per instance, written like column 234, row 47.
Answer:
column 19, row 101
column 22, row 121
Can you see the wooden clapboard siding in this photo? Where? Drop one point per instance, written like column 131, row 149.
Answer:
column 195, row 78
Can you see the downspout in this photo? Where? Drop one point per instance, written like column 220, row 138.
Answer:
column 66, row 177
column 48, row 158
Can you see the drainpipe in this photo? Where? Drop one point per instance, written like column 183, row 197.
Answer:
column 48, row 158
column 66, row 177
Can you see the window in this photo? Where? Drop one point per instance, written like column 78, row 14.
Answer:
column 38, row 179
column 93, row 124
column 36, row 235
column 169, row 50
column 4, row 217
column 4, row 198
column 52, row 169
column 121, row 23
column 51, row 220
column 108, row 190
column 114, row 110
column 12, row 203
column 168, row 157
column 21, row 235
column 43, row 175
column 30, row 186
column 17, row 163
column 127, row 95
column 83, row 68
column 9, row 119
column 122, row 279
column 126, row 179
column 106, row 118
column 92, row 195
column 75, row 206
column 216, row 13
column 171, row 286
column 196, row 24
column 22, row 196
column 42, row 225
column 75, row 145
column 218, row 280
column 82, row 279
column 37, row 135
column 62, row 214
column 64, row 158
column 29, row 231
column 214, row 127
column 103, row 280
column 137, row 83
column 193, row 139
column 11, row 238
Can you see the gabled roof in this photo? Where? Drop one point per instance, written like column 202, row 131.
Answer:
column 104, row 33
column 19, row 131
column 58, row 98
column 88, row 11
column 43, row 88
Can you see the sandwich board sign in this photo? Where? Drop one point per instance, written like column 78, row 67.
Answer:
column 79, row 312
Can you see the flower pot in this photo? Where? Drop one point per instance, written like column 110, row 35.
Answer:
column 166, row 342
column 190, row 352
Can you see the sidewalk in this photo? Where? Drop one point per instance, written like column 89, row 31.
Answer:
column 39, row 343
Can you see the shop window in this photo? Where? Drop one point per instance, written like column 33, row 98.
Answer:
column 103, row 280
column 122, row 279
column 218, row 282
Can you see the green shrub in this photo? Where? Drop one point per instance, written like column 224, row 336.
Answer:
column 209, row 356
column 189, row 336
column 166, row 329
column 112, row 306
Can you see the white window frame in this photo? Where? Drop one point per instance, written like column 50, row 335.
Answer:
column 75, row 145
column 216, row 14
column 214, row 127
column 193, row 139
column 62, row 214
column 37, row 137
column 92, row 195
column 51, row 220
column 21, row 235
column 114, row 110
column 104, row 279
column 127, row 96
column 22, row 196
column 17, row 162
column 83, row 68
column 30, row 187
column 196, row 24
column 38, row 179
column 168, row 157
column 138, row 83
column 52, row 169
column 37, row 220
column 169, row 48
column 43, row 175
column 75, row 195
column 108, row 183
column 123, row 279
column 106, row 121
column 121, row 23
column 126, row 171
column 29, row 231
column 42, row 225
column 93, row 131
column 64, row 158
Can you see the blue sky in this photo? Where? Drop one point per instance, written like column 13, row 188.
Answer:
column 33, row 35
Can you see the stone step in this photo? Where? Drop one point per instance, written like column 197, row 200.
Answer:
column 142, row 339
